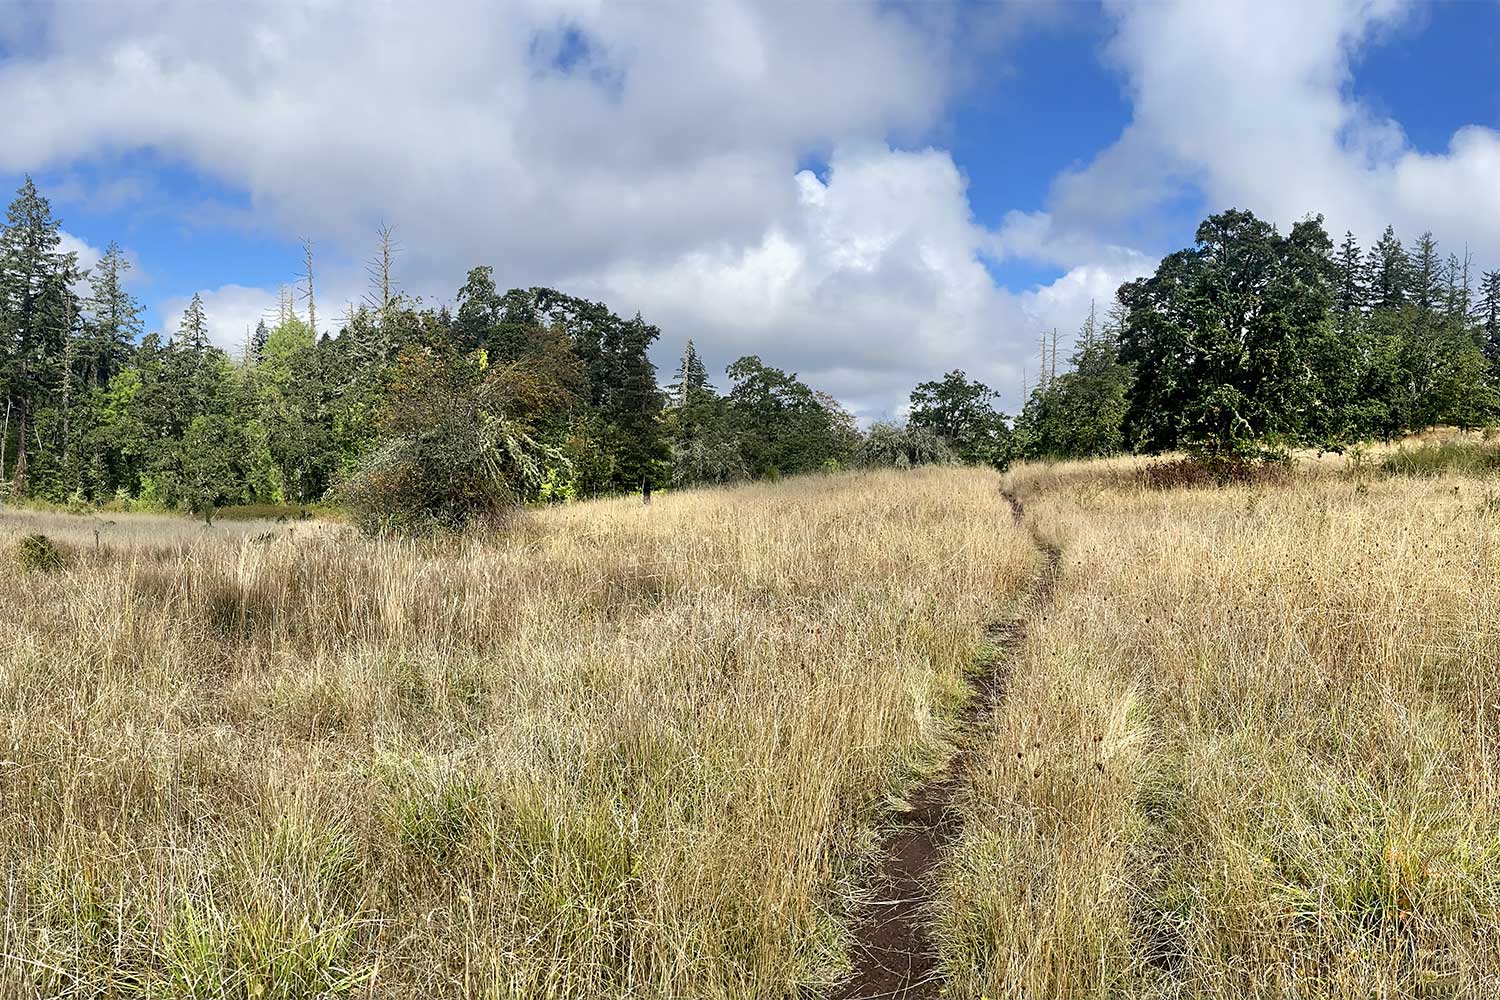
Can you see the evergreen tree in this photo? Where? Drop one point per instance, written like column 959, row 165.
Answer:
column 1459, row 298
column 37, row 311
column 115, row 317
column 1388, row 274
column 1426, row 274
column 1486, row 317
column 192, row 332
column 258, row 338
column 692, row 379
column 1352, row 293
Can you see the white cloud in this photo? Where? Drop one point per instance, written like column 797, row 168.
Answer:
column 649, row 155
column 231, row 310
column 88, row 254
column 1249, row 103
column 875, row 281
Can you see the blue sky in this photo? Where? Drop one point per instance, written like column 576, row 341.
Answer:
column 870, row 194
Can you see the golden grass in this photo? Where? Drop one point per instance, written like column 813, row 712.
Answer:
column 1251, row 751
column 620, row 752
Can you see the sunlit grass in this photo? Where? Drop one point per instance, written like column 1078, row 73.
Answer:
column 618, row 752
column 1250, row 753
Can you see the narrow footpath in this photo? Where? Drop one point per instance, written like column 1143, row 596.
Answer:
column 894, row 954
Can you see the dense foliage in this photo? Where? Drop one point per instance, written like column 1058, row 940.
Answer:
column 1241, row 346
column 1252, row 342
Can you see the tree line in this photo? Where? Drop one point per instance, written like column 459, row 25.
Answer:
column 1242, row 346
column 414, row 416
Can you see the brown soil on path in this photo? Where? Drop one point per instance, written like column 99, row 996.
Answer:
column 894, row 954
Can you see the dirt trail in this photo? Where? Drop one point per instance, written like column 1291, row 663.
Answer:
column 894, row 954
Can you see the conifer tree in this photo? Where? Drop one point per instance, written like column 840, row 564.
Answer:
column 115, row 322
column 1458, row 301
column 258, row 343
column 36, row 310
column 1486, row 317
column 1426, row 274
column 1388, row 273
column 1352, row 294
column 692, row 379
column 192, row 332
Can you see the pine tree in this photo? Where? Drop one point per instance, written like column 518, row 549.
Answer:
column 1352, row 294
column 1426, row 273
column 258, row 343
column 37, row 310
column 116, row 317
column 1388, row 273
column 1486, row 316
column 192, row 332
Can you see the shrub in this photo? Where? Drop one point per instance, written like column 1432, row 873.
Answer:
column 1187, row 473
column 891, row 446
column 457, row 449
column 39, row 552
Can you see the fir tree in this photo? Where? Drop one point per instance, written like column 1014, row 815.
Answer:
column 1426, row 274
column 37, row 310
column 1352, row 294
column 692, row 379
column 192, row 332
column 258, row 343
column 1486, row 317
column 115, row 317
column 1388, row 273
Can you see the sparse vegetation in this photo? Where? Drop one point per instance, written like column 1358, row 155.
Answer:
column 1250, row 751
column 617, row 752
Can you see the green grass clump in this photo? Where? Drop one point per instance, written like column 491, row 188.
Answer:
column 39, row 552
column 1466, row 458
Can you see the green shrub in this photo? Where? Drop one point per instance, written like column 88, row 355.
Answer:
column 892, row 446
column 458, row 447
column 38, row 552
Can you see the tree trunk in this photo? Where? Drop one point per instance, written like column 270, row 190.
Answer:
column 18, row 482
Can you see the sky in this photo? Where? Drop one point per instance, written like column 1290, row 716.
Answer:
column 869, row 194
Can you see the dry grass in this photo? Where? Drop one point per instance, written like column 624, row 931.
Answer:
column 622, row 752
column 1251, row 752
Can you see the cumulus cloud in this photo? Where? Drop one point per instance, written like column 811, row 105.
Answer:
column 1249, row 103
column 647, row 153
column 231, row 310
column 651, row 155
column 876, row 278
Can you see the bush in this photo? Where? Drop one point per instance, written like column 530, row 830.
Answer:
column 38, row 552
column 891, row 446
column 456, row 451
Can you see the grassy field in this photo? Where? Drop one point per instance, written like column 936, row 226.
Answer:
column 1248, row 749
column 1251, row 751
column 620, row 752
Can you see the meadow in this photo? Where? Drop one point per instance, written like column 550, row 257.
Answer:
column 1245, row 747
column 1251, row 749
column 615, row 751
